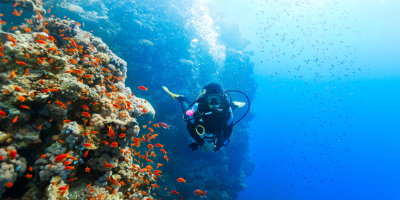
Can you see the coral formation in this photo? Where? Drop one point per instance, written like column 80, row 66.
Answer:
column 29, row 5
column 62, row 83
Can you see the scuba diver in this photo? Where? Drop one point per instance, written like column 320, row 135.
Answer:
column 210, row 118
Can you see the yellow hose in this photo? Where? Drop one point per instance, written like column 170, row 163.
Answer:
column 204, row 130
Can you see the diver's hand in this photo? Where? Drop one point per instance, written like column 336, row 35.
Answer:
column 207, row 147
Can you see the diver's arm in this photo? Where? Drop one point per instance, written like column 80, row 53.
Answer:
column 227, row 130
column 192, row 130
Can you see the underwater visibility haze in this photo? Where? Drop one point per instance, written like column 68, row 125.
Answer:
column 195, row 99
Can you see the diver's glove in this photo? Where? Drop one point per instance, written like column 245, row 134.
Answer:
column 207, row 147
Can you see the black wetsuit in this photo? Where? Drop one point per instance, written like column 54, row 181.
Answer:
column 220, row 124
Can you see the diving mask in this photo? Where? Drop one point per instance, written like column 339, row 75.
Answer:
column 214, row 101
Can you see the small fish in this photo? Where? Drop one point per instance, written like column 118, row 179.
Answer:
column 67, row 163
column 162, row 150
column 62, row 157
column 181, row 180
column 87, row 169
column 8, row 184
column 15, row 119
column 24, row 107
column 20, row 63
column 200, row 193
column 2, row 114
column 110, row 131
column 69, row 167
column 166, row 158
column 12, row 154
column 86, row 154
column 87, row 145
column 173, row 192
column 12, row 75
column 41, row 41
column 159, row 145
column 142, row 88
column 114, row 144
column 43, row 156
column 164, row 125
column 86, row 114
column 69, row 180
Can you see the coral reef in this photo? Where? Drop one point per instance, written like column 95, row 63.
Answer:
column 64, row 85
column 29, row 5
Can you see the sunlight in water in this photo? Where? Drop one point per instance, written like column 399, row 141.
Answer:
column 204, row 25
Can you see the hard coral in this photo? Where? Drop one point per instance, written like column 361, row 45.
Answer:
column 65, row 84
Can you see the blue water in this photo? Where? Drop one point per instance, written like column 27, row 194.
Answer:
column 324, row 136
column 324, row 83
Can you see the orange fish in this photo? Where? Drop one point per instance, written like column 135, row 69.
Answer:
column 69, row 180
column 87, row 145
column 159, row 145
column 156, row 125
column 15, row 119
column 67, row 163
column 114, row 144
column 162, row 150
column 21, row 98
column 166, row 158
column 24, row 107
column 8, row 184
column 69, row 167
column 150, row 146
column 41, row 41
column 86, row 114
column 62, row 157
column 85, row 107
column 108, row 166
column 87, row 169
column 20, row 63
column 12, row 154
column 73, row 42
column 17, row 13
column 12, row 75
column 173, row 192
column 200, row 193
column 159, row 165
column 142, row 88
column 121, row 135
column 181, row 180
column 110, row 131
column 2, row 114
